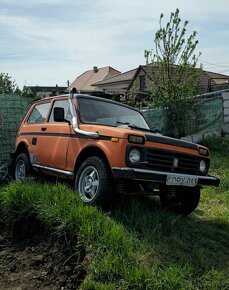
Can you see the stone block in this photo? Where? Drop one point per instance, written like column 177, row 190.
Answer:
column 225, row 96
column 211, row 135
column 226, row 128
column 226, row 104
column 226, row 119
column 187, row 138
column 226, row 111
column 197, row 138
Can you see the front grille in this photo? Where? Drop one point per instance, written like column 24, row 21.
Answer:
column 162, row 160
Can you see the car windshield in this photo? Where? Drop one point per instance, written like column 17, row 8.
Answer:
column 107, row 113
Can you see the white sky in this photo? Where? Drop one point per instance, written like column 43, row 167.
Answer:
column 47, row 42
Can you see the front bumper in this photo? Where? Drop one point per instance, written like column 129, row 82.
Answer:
column 158, row 176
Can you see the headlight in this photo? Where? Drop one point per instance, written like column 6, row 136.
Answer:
column 134, row 156
column 203, row 166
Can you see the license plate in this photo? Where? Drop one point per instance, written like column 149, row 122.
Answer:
column 181, row 180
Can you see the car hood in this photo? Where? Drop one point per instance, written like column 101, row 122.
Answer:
column 123, row 131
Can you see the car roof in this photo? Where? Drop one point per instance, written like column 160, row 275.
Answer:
column 85, row 96
column 75, row 96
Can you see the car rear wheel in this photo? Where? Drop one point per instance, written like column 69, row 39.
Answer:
column 94, row 182
column 22, row 166
column 181, row 200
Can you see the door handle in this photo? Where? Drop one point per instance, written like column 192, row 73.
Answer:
column 43, row 128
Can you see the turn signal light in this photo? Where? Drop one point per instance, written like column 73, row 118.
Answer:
column 114, row 139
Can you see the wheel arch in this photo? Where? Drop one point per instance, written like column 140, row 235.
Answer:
column 22, row 147
column 89, row 152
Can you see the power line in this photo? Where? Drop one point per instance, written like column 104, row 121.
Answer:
column 214, row 64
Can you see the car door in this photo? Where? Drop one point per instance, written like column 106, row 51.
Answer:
column 34, row 128
column 52, row 146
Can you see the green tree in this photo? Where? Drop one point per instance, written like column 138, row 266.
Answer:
column 7, row 85
column 172, row 71
column 132, row 97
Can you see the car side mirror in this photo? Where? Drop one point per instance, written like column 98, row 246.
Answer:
column 59, row 114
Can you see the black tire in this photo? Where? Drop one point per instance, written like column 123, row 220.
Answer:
column 3, row 170
column 94, row 181
column 181, row 200
column 22, row 166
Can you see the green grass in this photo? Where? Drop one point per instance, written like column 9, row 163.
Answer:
column 137, row 245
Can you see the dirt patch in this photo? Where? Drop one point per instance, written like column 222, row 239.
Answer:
column 31, row 258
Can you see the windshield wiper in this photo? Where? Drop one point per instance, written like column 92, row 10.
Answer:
column 144, row 129
column 133, row 126
column 124, row 123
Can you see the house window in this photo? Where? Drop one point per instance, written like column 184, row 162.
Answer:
column 142, row 81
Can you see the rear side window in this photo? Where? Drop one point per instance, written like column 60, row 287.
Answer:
column 39, row 114
column 62, row 104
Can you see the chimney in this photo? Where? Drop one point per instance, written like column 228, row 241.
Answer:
column 95, row 69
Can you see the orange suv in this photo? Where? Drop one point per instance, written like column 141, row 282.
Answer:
column 108, row 148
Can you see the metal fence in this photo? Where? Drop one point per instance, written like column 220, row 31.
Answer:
column 12, row 111
column 207, row 116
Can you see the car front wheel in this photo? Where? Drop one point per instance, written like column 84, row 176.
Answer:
column 94, row 182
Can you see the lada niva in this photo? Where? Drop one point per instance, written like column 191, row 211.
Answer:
column 106, row 148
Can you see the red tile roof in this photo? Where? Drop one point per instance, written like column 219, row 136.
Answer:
column 213, row 75
column 126, row 76
column 207, row 79
column 84, row 82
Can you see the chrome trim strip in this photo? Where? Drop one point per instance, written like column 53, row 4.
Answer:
column 64, row 172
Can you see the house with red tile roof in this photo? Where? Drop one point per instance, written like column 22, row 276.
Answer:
column 83, row 83
column 122, row 83
column 117, row 84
